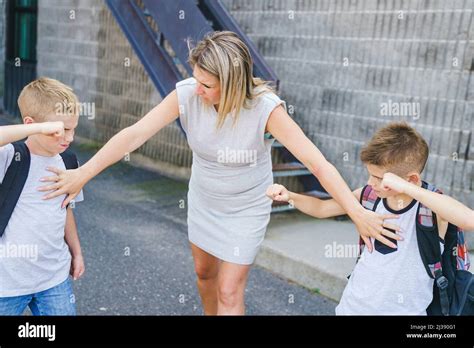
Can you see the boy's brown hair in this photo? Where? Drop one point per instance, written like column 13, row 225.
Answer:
column 44, row 96
column 397, row 147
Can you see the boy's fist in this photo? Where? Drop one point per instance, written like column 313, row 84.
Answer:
column 278, row 193
column 393, row 182
column 53, row 128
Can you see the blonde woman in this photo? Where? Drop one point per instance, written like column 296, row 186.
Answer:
column 225, row 112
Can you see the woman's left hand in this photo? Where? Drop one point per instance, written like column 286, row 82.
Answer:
column 370, row 224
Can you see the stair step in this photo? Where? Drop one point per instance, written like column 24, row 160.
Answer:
column 290, row 169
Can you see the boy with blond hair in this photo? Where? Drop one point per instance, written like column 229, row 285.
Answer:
column 400, row 280
column 39, row 245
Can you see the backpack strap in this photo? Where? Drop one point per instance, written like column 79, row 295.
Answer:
column 427, row 235
column 13, row 183
column 70, row 159
column 462, row 253
column 15, row 179
column 369, row 200
column 428, row 244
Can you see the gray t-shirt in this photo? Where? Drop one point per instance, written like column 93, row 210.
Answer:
column 33, row 253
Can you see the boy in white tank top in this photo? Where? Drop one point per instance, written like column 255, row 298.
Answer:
column 390, row 280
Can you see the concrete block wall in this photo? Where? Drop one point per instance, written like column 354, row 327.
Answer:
column 341, row 61
column 80, row 43
column 2, row 48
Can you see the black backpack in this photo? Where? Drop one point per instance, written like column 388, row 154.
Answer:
column 453, row 289
column 15, row 179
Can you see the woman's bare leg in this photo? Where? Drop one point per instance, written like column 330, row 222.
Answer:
column 232, row 279
column 206, row 267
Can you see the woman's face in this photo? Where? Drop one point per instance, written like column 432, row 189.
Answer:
column 208, row 87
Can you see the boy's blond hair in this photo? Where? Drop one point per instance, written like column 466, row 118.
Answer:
column 397, row 147
column 44, row 96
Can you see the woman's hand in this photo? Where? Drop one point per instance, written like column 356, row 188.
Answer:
column 278, row 192
column 370, row 224
column 64, row 182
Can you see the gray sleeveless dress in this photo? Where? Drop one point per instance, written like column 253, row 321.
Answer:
column 228, row 211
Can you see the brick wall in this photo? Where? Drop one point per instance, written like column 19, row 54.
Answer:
column 342, row 63
column 80, row 43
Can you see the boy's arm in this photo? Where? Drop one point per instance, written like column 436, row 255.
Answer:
column 10, row 134
column 310, row 205
column 445, row 207
column 319, row 208
column 72, row 240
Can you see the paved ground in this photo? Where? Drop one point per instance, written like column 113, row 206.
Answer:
column 132, row 227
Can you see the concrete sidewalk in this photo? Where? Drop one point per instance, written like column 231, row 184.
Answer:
column 297, row 247
column 317, row 254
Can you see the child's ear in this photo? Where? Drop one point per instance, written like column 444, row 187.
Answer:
column 414, row 178
column 28, row 120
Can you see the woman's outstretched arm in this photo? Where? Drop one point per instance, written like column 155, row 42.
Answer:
column 368, row 223
column 124, row 142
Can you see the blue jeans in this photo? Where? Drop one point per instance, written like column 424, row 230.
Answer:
column 58, row 300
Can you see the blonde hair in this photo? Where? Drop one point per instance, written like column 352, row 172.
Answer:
column 224, row 55
column 41, row 97
column 397, row 147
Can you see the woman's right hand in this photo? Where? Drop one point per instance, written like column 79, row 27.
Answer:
column 68, row 182
column 278, row 193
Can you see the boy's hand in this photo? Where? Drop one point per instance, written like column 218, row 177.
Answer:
column 394, row 182
column 77, row 267
column 53, row 128
column 278, row 193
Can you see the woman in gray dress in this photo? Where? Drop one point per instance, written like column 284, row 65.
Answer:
column 226, row 112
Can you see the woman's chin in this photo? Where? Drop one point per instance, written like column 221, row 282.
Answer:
column 207, row 101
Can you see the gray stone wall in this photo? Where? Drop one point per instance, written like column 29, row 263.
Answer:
column 343, row 64
column 80, row 43
column 2, row 48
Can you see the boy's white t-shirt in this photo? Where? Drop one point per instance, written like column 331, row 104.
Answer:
column 33, row 253
column 393, row 283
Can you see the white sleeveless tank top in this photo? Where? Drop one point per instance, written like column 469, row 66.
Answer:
column 390, row 281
